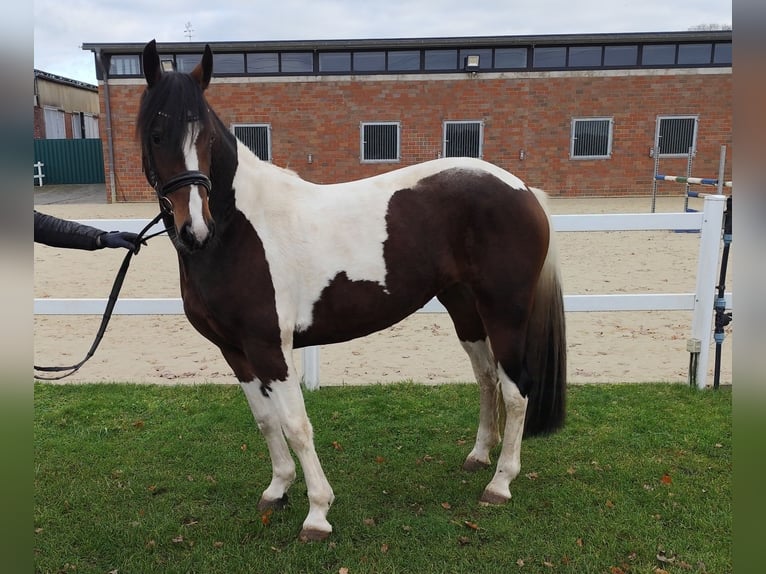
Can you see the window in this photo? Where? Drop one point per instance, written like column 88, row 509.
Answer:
column 369, row 61
column 441, row 59
column 263, row 63
column 76, row 125
column 620, row 55
column 404, row 60
column 257, row 137
column 54, row 124
column 297, row 62
column 379, row 141
column 124, row 66
column 549, row 57
column 229, row 63
column 660, row 54
column 463, row 139
column 591, row 138
column 511, row 58
column 722, row 54
column 335, row 62
column 694, row 53
column 676, row 135
column 90, row 126
column 187, row 62
column 584, row 56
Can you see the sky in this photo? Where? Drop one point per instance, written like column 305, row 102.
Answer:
column 60, row 28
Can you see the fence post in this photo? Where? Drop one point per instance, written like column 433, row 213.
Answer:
column 704, row 298
column 310, row 356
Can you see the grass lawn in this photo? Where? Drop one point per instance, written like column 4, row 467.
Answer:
column 140, row 479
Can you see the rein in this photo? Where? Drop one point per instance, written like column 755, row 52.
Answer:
column 118, row 281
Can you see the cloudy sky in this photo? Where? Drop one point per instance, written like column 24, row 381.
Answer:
column 60, row 28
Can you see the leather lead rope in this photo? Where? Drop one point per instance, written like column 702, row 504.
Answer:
column 118, row 281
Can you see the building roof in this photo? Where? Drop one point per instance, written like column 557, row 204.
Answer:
column 404, row 43
column 66, row 81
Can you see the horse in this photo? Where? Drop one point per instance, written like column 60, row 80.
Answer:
column 269, row 262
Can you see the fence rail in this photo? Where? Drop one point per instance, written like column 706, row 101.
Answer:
column 708, row 222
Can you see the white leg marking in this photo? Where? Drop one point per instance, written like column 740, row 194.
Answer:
column 488, row 434
column 509, row 462
column 282, row 464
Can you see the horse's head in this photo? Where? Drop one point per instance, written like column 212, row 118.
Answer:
column 177, row 133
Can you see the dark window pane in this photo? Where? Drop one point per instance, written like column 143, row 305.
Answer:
column 256, row 138
column 335, row 62
column 441, row 59
column 591, row 138
column 229, row 63
column 549, row 57
column 694, row 53
column 722, row 53
column 511, row 58
column 297, row 62
column 380, row 142
column 485, row 58
column 657, row 55
column 462, row 139
column 124, row 66
column 263, row 63
column 404, row 60
column 187, row 62
column 584, row 56
column 369, row 61
column 620, row 55
column 676, row 135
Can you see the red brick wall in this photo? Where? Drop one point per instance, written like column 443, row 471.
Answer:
column 534, row 114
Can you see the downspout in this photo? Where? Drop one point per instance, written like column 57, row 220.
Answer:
column 109, row 141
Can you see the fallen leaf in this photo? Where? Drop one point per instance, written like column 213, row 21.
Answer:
column 548, row 564
column 463, row 540
column 178, row 539
column 520, row 563
column 343, row 570
column 243, row 448
column 660, row 571
column 384, row 548
column 666, row 479
column 471, row 525
column 138, row 424
column 571, row 471
column 609, row 504
column 616, row 570
column 661, row 557
column 336, row 445
column 684, row 565
column 446, row 505
column 580, row 542
column 380, row 459
column 217, row 544
column 266, row 516
column 532, row 475
column 369, row 522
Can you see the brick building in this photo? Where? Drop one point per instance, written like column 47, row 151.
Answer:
column 64, row 108
column 573, row 114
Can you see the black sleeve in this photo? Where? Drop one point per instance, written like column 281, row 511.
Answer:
column 56, row 232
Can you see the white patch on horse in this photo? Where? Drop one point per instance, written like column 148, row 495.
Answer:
column 198, row 226
column 312, row 233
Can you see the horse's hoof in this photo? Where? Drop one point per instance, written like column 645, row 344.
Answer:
column 277, row 504
column 474, row 464
column 493, row 498
column 312, row 535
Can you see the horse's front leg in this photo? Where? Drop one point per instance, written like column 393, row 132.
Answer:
column 281, row 414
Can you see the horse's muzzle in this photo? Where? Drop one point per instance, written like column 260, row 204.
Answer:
column 194, row 238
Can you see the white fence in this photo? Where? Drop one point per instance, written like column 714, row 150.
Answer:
column 708, row 222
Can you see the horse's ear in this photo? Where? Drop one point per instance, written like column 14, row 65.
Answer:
column 151, row 60
column 204, row 70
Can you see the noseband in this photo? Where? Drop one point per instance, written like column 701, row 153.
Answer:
column 177, row 182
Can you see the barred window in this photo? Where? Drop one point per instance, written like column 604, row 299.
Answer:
column 257, row 137
column 463, row 139
column 591, row 138
column 676, row 135
column 379, row 141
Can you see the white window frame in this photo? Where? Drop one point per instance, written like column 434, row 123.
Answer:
column 363, row 148
column 445, row 141
column 90, row 123
column 55, row 123
column 573, row 138
column 660, row 119
column 256, row 126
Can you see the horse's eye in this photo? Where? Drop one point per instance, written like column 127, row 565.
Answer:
column 156, row 138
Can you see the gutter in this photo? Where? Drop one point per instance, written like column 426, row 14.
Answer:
column 109, row 140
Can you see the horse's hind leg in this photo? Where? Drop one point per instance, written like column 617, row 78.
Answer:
column 461, row 306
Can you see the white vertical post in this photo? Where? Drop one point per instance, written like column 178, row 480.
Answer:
column 310, row 357
column 710, row 249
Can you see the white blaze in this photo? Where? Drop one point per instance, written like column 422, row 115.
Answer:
column 198, row 226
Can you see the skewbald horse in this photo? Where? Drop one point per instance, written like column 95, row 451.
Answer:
column 269, row 262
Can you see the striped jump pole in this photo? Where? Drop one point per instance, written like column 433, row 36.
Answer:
column 691, row 180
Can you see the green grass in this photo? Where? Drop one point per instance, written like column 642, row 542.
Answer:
column 166, row 479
